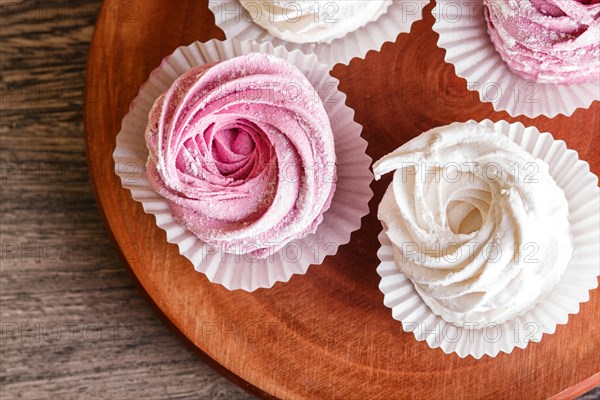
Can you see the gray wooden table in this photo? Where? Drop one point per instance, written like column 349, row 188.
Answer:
column 72, row 326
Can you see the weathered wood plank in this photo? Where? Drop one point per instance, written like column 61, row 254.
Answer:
column 72, row 325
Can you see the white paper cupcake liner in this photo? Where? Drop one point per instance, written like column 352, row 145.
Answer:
column 236, row 22
column 583, row 195
column 349, row 204
column 463, row 34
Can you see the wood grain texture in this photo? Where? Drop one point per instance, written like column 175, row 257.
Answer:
column 72, row 325
column 324, row 335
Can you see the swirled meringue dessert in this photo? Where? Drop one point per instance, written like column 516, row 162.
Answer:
column 239, row 149
column 547, row 41
column 314, row 21
column 476, row 223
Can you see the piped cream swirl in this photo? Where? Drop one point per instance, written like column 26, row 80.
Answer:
column 244, row 153
column 477, row 224
column 547, row 41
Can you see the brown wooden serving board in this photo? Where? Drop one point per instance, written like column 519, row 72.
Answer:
column 326, row 334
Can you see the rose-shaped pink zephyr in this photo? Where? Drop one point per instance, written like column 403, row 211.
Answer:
column 243, row 151
column 547, row 41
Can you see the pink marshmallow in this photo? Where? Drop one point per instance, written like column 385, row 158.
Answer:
column 547, row 41
column 239, row 150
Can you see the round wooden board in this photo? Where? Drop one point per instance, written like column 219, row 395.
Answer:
column 326, row 334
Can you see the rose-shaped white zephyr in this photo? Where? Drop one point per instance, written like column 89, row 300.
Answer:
column 335, row 30
column 314, row 21
column 476, row 223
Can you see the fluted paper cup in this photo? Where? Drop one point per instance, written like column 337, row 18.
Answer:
column 349, row 203
column 463, row 34
column 580, row 186
column 237, row 22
